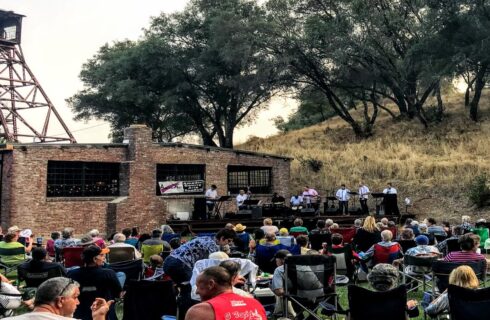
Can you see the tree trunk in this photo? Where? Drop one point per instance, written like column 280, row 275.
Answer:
column 467, row 96
column 479, row 84
column 440, row 104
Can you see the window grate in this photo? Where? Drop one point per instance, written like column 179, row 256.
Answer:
column 258, row 179
column 82, row 179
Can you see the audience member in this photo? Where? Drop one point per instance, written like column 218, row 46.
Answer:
column 242, row 237
column 447, row 228
column 367, row 236
column 179, row 264
column 358, row 224
column 129, row 239
column 269, row 240
column 385, row 251
column 466, row 225
column 284, row 238
column 384, row 277
column 57, row 299
column 455, row 234
column 277, row 284
column 166, row 229
column 95, row 281
column 120, row 242
column 174, row 243
column 469, row 244
column 152, row 246
column 268, row 227
column 422, row 248
column 462, row 276
column 95, row 234
column 135, row 232
column 9, row 243
column 334, row 226
column 233, row 269
column 424, row 230
column 302, row 242
column 39, row 264
column 66, row 240
column 50, row 243
column 215, row 288
column 434, row 229
column 298, row 226
column 320, row 227
column 407, row 234
column 156, row 262
column 481, row 230
column 338, row 243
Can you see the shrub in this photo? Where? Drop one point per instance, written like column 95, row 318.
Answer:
column 479, row 192
column 313, row 164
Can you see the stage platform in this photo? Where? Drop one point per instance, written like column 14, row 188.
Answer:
column 213, row 225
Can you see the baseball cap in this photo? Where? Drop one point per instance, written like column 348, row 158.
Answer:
column 26, row 233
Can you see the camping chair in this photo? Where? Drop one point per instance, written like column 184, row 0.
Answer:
column 169, row 236
column 147, row 250
column 149, row 294
column 442, row 269
column 133, row 268
column 72, row 256
column 440, row 238
column 120, row 254
column 10, row 259
column 296, row 234
column 309, row 282
column 386, row 305
column 317, row 239
column 344, row 263
column 34, row 279
column 264, row 256
column 467, row 303
column 420, row 267
column 347, row 233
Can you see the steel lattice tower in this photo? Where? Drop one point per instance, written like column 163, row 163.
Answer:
column 26, row 111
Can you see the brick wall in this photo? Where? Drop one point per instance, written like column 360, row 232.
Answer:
column 25, row 204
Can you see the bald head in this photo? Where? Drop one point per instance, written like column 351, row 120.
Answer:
column 213, row 281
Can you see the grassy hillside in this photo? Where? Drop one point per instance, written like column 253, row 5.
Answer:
column 433, row 167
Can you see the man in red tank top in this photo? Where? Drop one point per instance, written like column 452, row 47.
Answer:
column 219, row 301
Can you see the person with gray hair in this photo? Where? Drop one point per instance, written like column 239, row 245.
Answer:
column 57, row 299
column 385, row 251
column 384, row 277
column 95, row 234
column 120, row 242
column 66, row 240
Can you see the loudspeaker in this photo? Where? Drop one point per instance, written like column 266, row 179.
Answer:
column 244, row 214
column 330, row 211
column 355, row 210
column 307, row 212
column 199, row 208
column 256, row 212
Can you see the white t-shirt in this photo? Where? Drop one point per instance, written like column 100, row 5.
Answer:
column 240, row 198
column 39, row 316
column 270, row 229
column 389, row 191
column 363, row 192
column 211, row 194
column 343, row 194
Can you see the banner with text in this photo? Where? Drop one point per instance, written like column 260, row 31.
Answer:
column 170, row 187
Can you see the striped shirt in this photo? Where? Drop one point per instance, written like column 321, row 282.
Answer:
column 464, row 256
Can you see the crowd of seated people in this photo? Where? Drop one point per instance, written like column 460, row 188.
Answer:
column 375, row 247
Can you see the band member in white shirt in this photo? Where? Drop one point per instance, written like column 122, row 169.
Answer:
column 296, row 202
column 389, row 189
column 363, row 197
column 211, row 194
column 240, row 199
column 390, row 201
column 343, row 196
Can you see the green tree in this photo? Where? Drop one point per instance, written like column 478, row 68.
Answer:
column 123, row 87
column 208, row 64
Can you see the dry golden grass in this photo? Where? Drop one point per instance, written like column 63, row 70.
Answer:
column 433, row 167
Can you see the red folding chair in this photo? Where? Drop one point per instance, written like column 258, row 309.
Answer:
column 72, row 257
column 347, row 233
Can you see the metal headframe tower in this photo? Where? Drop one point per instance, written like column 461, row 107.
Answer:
column 26, row 111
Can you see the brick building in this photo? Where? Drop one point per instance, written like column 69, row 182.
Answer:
column 137, row 183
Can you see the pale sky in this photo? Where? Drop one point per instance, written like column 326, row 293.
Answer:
column 58, row 36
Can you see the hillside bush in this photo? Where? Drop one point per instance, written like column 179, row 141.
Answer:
column 479, row 192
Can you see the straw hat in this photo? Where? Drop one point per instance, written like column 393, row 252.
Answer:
column 239, row 227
